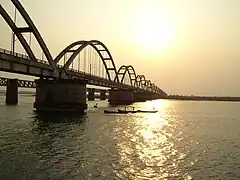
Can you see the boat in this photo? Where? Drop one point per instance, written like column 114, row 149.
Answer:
column 145, row 111
column 127, row 111
column 137, row 111
column 114, row 112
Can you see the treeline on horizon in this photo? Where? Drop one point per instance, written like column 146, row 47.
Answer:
column 214, row 98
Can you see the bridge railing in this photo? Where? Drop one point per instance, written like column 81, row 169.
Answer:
column 45, row 62
column 21, row 55
column 14, row 53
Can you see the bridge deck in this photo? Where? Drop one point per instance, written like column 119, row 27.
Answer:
column 23, row 65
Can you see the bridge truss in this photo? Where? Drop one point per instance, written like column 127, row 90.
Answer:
column 75, row 55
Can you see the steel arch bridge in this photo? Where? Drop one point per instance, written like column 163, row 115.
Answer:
column 98, row 46
column 114, row 76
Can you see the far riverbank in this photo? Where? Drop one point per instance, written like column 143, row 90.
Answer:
column 203, row 98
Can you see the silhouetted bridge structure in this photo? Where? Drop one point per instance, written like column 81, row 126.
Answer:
column 20, row 83
column 63, row 79
column 102, row 93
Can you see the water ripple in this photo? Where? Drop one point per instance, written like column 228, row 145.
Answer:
column 185, row 140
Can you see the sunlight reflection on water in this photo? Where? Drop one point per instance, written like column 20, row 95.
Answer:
column 184, row 140
column 145, row 146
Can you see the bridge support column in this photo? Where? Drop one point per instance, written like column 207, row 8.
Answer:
column 103, row 95
column 121, row 96
column 12, row 92
column 140, row 96
column 145, row 96
column 156, row 96
column 64, row 95
column 151, row 96
column 91, row 94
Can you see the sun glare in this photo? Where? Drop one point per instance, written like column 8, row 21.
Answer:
column 153, row 33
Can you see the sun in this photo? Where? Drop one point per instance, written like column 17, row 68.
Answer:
column 153, row 33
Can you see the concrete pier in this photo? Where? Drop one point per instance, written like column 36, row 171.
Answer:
column 140, row 96
column 64, row 95
column 91, row 94
column 103, row 95
column 12, row 92
column 121, row 96
column 146, row 96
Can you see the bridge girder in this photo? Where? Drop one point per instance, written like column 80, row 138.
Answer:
column 31, row 29
column 14, row 28
column 140, row 80
column 98, row 46
column 132, row 75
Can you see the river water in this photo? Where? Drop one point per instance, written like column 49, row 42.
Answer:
column 184, row 140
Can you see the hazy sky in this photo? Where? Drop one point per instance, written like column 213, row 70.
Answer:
column 184, row 46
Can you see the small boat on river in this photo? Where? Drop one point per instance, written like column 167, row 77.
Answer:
column 125, row 111
column 114, row 112
column 137, row 111
column 145, row 111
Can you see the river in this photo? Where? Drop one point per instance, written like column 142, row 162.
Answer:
column 184, row 140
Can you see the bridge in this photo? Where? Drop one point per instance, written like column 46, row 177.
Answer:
column 32, row 84
column 80, row 63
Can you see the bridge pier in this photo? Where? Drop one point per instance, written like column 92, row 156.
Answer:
column 64, row 95
column 91, row 94
column 121, row 96
column 140, row 96
column 145, row 96
column 103, row 95
column 12, row 92
column 151, row 96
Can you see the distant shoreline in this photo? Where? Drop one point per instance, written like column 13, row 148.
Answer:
column 203, row 98
column 172, row 97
